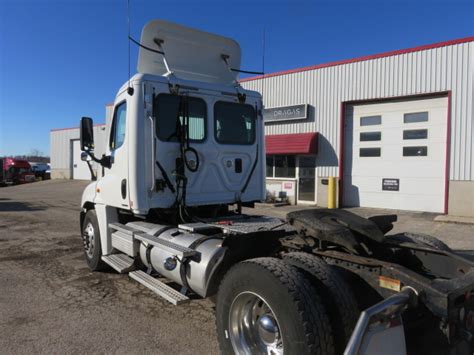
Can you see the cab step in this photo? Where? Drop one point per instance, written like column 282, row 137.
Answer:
column 158, row 287
column 161, row 243
column 119, row 262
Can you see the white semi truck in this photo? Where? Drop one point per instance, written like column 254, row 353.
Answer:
column 185, row 154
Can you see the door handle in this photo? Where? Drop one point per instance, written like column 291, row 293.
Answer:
column 238, row 165
column 123, row 188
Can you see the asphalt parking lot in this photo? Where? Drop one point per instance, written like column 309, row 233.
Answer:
column 51, row 303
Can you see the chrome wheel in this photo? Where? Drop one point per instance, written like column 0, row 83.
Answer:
column 88, row 237
column 253, row 327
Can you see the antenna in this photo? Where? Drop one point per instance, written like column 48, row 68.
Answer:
column 263, row 64
column 263, row 51
column 130, row 89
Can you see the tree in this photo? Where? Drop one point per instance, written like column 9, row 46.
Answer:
column 36, row 153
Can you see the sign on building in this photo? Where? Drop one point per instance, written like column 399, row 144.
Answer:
column 391, row 184
column 286, row 113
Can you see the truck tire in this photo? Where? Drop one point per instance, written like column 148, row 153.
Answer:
column 336, row 295
column 422, row 240
column 265, row 306
column 91, row 239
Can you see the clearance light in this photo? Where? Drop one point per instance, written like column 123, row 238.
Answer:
column 391, row 284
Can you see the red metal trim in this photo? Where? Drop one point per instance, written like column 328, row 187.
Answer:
column 395, row 98
column 67, row 129
column 341, row 152
column 364, row 58
column 387, row 99
column 448, row 157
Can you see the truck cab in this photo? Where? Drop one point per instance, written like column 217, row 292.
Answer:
column 185, row 137
column 17, row 171
column 40, row 170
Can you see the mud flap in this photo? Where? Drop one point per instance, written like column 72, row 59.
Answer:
column 384, row 338
column 379, row 329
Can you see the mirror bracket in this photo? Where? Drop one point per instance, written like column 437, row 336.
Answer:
column 106, row 161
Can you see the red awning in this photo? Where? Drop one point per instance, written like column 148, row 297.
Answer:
column 302, row 143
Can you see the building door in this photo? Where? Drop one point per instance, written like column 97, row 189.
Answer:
column 80, row 170
column 395, row 155
column 306, row 179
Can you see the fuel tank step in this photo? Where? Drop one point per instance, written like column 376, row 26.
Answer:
column 123, row 228
column 158, row 287
column 119, row 262
column 178, row 250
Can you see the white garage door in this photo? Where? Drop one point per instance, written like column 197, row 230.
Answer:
column 395, row 155
column 80, row 171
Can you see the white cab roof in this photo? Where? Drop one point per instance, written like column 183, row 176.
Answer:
column 191, row 54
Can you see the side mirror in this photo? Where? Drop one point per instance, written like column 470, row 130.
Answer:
column 87, row 134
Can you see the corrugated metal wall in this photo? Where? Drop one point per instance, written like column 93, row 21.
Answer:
column 449, row 68
column 61, row 146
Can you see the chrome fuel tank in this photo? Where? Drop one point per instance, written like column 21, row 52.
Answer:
column 163, row 261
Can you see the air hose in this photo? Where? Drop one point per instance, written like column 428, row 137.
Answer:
column 182, row 129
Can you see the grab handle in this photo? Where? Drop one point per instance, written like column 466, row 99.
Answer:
column 153, row 152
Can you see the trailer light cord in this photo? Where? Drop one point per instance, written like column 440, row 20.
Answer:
column 165, row 177
column 251, row 172
column 162, row 170
column 182, row 130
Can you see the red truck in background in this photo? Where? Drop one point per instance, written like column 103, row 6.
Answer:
column 15, row 171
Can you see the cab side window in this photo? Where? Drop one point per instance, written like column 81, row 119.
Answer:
column 117, row 133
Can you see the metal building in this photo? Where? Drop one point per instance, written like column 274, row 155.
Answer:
column 396, row 129
column 65, row 153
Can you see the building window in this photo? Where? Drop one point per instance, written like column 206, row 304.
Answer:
column 415, row 134
column 415, row 117
column 370, row 120
column 234, row 123
column 415, row 151
column 281, row 166
column 369, row 152
column 169, row 118
column 370, row 136
column 270, row 165
column 117, row 132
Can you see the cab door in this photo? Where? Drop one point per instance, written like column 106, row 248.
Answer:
column 113, row 186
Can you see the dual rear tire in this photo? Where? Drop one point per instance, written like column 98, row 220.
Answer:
column 275, row 306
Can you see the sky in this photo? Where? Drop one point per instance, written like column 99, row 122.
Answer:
column 64, row 59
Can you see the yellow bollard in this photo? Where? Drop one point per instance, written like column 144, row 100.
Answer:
column 331, row 192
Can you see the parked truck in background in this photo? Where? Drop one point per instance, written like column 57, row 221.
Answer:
column 16, row 171
column 185, row 154
column 2, row 174
column 41, row 170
